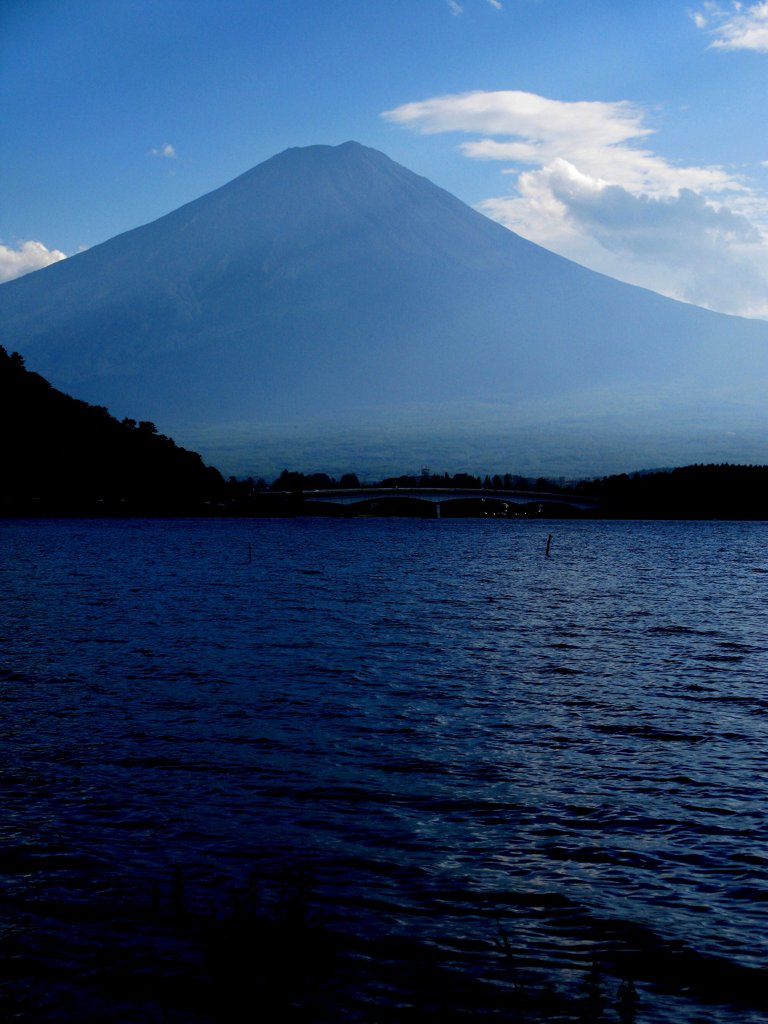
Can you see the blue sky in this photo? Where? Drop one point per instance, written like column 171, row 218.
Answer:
column 629, row 137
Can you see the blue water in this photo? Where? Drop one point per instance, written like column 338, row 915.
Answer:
column 459, row 737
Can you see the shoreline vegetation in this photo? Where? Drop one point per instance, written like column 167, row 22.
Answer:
column 272, row 945
column 65, row 458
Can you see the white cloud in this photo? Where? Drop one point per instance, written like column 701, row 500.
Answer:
column 586, row 185
column 166, row 151
column 736, row 27
column 27, row 257
column 456, row 8
column 681, row 245
column 597, row 137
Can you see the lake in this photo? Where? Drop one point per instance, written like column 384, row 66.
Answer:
column 383, row 770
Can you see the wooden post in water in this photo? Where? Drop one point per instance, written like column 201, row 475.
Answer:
column 250, row 553
column 549, row 544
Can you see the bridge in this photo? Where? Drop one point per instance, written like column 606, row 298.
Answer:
column 438, row 502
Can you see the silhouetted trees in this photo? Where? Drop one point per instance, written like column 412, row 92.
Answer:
column 59, row 453
column 720, row 491
column 297, row 482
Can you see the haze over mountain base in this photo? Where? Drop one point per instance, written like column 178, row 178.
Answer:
column 548, row 439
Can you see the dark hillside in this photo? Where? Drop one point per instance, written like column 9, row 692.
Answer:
column 688, row 492
column 59, row 454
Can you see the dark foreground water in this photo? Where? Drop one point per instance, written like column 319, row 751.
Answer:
column 384, row 770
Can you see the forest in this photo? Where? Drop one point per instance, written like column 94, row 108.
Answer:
column 62, row 456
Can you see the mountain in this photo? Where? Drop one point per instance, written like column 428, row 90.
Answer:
column 330, row 309
column 61, row 455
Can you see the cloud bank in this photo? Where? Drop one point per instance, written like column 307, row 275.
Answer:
column 28, row 256
column 586, row 184
column 735, row 28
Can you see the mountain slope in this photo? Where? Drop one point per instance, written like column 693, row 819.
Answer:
column 332, row 284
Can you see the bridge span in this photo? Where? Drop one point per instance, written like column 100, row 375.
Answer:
column 445, row 500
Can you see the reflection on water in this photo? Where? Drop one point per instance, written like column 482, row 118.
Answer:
column 478, row 753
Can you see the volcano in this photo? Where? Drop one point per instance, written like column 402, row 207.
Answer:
column 331, row 310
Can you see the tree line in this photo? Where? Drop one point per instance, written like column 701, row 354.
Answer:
column 290, row 480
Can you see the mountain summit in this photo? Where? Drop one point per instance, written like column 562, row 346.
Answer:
column 330, row 306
